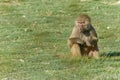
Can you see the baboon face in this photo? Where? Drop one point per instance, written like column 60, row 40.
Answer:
column 83, row 22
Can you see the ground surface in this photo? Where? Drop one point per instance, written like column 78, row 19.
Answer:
column 33, row 31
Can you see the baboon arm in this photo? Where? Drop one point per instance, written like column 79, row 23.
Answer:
column 94, row 34
column 72, row 41
column 75, row 50
column 75, row 33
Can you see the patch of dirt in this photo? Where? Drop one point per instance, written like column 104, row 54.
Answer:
column 10, row 3
column 118, row 2
column 112, row 3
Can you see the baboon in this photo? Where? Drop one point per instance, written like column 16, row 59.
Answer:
column 83, row 39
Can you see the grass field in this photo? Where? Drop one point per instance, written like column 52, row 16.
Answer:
column 33, row 31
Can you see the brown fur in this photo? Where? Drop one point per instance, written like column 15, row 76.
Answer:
column 83, row 39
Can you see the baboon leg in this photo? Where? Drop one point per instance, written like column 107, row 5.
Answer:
column 75, row 50
column 94, row 52
column 70, row 43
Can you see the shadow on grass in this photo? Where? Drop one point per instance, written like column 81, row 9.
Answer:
column 110, row 54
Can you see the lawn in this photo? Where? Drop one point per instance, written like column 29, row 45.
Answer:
column 32, row 32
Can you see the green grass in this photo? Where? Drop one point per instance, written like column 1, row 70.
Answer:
column 32, row 32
